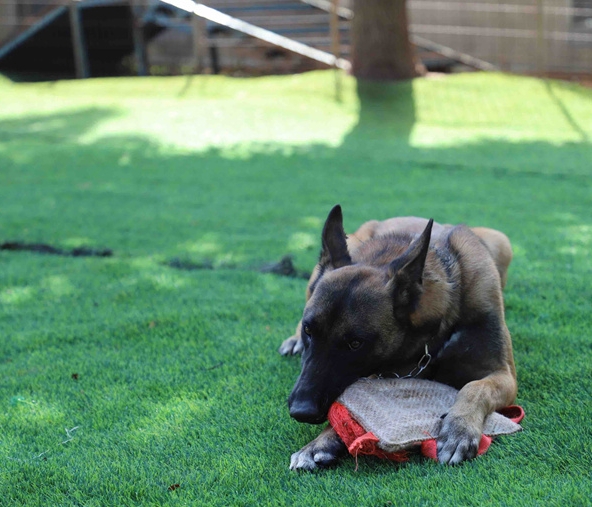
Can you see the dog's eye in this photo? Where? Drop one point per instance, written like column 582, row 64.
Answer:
column 355, row 344
column 307, row 330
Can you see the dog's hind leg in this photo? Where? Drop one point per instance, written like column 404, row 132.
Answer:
column 499, row 247
column 323, row 451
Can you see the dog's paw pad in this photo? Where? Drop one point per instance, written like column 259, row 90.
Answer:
column 316, row 455
column 298, row 347
column 291, row 346
column 457, row 441
column 453, row 453
column 324, row 458
column 302, row 460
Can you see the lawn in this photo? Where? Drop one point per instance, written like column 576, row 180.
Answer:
column 125, row 381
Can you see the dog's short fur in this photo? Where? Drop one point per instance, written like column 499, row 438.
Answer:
column 378, row 297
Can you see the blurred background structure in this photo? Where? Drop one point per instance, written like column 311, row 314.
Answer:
column 48, row 39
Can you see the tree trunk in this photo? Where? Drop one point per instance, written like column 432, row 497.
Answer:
column 381, row 49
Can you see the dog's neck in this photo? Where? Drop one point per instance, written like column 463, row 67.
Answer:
column 441, row 297
column 421, row 361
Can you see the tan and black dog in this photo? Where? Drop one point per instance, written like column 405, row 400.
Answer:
column 389, row 299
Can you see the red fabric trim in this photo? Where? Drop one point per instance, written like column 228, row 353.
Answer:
column 513, row 412
column 360, row 441
column 356, row 438
column 429, row 449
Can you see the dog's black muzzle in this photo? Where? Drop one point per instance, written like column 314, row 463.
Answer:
column 308, row 402
column 306, row 411
column 315, row 391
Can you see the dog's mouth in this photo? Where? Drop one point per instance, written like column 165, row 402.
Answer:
column 310, row 420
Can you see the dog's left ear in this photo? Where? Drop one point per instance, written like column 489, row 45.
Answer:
column 334, row 251
column 406, row 271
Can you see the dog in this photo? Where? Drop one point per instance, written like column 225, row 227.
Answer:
column 405, row 297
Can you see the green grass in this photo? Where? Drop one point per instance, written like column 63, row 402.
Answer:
column 178, row 380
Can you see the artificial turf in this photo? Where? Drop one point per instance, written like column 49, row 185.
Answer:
column 124, row 381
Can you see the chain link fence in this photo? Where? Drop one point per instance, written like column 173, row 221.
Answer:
column 524, row 36
column 544, row 37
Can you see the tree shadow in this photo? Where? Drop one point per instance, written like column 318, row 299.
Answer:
column 386, row 112
column 277, row 195
column 61, row 127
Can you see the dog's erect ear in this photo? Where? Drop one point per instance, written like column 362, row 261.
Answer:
column 334, row 250
column 406, row 271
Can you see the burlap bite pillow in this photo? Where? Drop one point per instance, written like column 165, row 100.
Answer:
column 385, row 417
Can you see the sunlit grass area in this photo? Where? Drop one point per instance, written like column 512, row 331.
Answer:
column 124, row 381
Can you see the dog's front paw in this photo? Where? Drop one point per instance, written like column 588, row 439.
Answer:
column 310, row 458
column 322, row 452
column 458, row 440
column 291, row 346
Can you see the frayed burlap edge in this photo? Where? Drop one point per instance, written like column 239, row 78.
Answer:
column 405, row 412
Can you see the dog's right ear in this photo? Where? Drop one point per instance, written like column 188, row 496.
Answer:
column 334, row 253
column 406, row 271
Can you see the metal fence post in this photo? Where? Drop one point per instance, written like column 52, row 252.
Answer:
column 541, row 46
column 335, row 46
column 81, row 63
column 200, row 43
column 138, row 36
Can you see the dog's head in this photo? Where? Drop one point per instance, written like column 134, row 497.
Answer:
column 355, row 321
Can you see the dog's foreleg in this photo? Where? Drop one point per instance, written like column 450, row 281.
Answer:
column 323, row 451
column 292, row 345
column 462, row 427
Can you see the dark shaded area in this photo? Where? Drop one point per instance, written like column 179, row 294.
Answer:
column 215, row 367
column 109, row 38
column 285, row 267
column 62, row 128
column 48, row 52
column 41, row 248
column 187, row 265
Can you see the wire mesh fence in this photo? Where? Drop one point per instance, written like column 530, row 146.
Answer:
column 523, row 36
column 533, row 36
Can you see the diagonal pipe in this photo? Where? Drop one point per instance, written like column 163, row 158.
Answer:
column 259, row 33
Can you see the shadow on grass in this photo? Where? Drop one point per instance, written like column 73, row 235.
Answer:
column 386, row 112
column 129, row 191
column 62, row 127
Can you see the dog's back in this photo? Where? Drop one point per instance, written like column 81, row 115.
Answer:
column 497, row 243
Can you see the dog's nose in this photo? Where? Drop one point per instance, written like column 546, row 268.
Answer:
column 306, row 411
